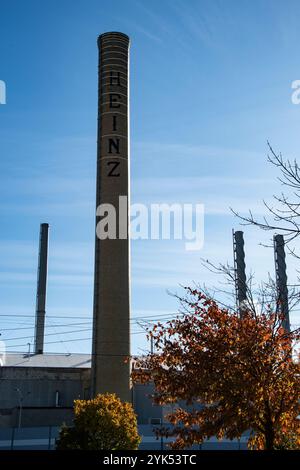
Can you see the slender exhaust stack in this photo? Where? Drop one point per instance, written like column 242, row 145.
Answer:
column 41, row 290
column 281, row 280
column 240, row 270
column 111, row 318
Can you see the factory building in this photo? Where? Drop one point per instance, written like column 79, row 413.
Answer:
column 39, row 389
column 37, row 392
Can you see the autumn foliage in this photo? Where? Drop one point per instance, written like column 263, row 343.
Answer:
column 104, row 423
column 236, row 373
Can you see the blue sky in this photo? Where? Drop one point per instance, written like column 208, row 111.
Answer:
column 210, row 84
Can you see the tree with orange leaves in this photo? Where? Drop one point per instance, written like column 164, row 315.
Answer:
column 237, row 374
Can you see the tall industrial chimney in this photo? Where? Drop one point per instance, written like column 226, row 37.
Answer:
column 239, row 269
column 41, row 290
column 281, row 280
column 111, row 319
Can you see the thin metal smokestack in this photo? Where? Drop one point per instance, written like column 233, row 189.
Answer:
column 111, row 320
column 281, row 280
column 41, row 290
column 240, row 270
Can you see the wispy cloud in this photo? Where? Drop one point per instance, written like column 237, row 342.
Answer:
column 195, row 21
column 148, row 34
column 71, row 279
column 71, row 209
column 144, row 30
column 16, row 278
column 209, row 151
column 160, row 22
column 70, row 267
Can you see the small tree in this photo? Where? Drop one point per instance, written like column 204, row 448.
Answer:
column 104, row 423
column 239, row 372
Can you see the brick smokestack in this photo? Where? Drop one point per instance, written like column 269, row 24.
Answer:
column 111, row 317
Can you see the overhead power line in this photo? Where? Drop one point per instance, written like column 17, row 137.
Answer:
column 12, row 315
column 48, row 326
column 47, row 334
column 55, row 334
column 51, row 342
column 66, row 341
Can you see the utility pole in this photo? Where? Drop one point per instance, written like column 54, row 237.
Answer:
column 20, row 398
column 150, row 336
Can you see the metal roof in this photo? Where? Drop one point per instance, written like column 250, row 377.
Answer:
column 78, row 361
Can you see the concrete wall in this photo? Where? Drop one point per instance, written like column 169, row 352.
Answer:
column 33, row 438
column 42, row 438
column 37, row 393
column 143, row 405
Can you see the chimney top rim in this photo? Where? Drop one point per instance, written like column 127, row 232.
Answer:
column 114, row 35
